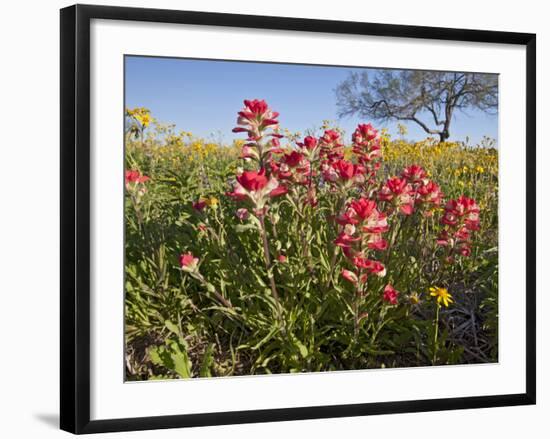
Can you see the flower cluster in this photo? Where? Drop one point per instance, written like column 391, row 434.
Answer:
column 332, row 147
column 343, row 173
column 317, row 162
column 367, row 148
column 261, row 124
column 261, row 184
column 412, row 189
column 362, row 228
column 460, row 219
column 312, row 241
column 426, row 192
column 334, row 168
column 399, row 192
column 255, row 118
column 134, row 182
column 292, row 167
column 133, row 176
column 141, row 115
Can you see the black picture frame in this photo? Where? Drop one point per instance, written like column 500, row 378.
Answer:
column 75, row 217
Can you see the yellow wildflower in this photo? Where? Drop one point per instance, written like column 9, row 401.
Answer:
column 212, row 202
column 442, row 295
column 144, row 119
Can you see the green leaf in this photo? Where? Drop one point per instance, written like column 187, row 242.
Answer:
column 172, row 327
column 243, row 227
column 207, row 362
column 302, row 348
column 155, row 356
column 182, row 363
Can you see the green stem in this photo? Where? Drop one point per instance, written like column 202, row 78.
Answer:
column 338, row 207
column 436, row 323
column 269, row 267
column 356, row 313
column 332, row 267
column 218, row 295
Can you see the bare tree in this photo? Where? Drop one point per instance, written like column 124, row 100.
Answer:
column 414, row 95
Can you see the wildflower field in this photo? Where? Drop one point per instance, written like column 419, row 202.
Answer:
column 284, row 253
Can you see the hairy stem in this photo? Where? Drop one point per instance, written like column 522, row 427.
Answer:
column 218, row 295
column 269, row 267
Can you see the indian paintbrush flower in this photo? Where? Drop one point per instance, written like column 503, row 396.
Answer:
column 390, row 295
column 188, row 262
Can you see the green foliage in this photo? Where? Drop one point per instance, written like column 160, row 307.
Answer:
column 177, row 325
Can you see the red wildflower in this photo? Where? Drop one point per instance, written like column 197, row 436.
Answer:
column 374, row 267
column 346, row 170
column 399, row 191
column 255, row 117
column 350, row 276
column 361, row 209
column 364, row 133
column 462, row 208
column 343, row 170
column 366, row 143
column 279, row 190
column 429, row 193
column 309, row 143
column 253, row 180
column 393, row 187
column 331, row 137
column 188, row 262
column 461, row 217
column 462, row 234
column 465, row 250
column 390, row 294
column 344, row 240
column 376, row 242
column 414, row 174
column 331, row 145
column 294, row 159
column 255, row 186
column 134, row 176
column 365, row 212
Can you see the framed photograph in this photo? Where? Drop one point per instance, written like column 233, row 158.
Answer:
column 272, row 218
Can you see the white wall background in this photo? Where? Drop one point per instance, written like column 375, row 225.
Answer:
column 29, row 194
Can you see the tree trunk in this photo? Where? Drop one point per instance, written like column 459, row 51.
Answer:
column 443, row 135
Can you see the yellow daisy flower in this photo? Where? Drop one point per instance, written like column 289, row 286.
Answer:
column 442, row 295
column 212, row 202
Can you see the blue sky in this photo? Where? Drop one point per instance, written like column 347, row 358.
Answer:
column 204, row 96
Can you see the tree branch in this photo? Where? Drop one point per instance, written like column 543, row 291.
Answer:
column 423, row 125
